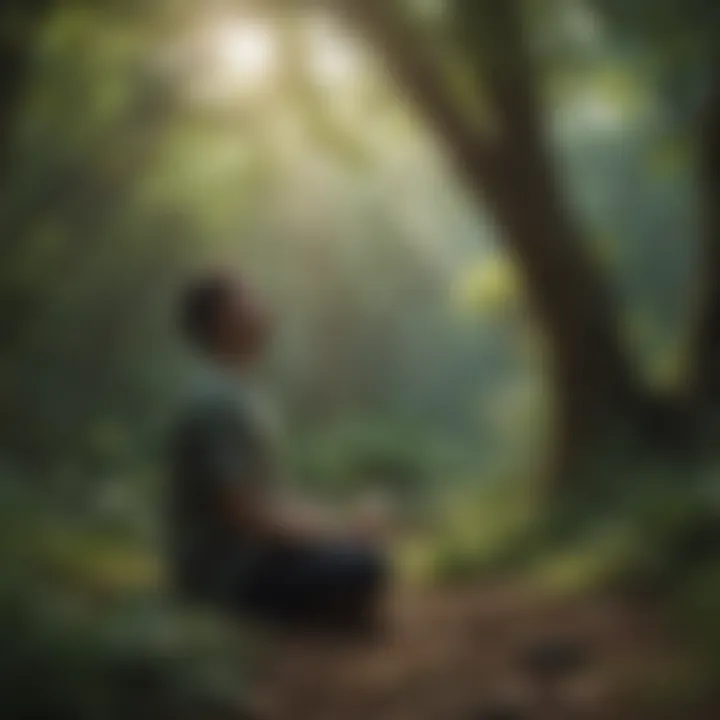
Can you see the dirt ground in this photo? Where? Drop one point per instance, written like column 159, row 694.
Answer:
column 478, row 654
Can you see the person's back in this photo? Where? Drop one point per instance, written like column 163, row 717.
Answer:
column 214, row 437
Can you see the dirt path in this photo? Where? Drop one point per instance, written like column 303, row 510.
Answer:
column 472, row 654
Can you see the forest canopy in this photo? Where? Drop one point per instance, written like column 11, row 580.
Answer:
column 279, row 142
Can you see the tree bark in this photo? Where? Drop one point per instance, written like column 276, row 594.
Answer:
column 514, row 176
column 705, row 384
column 20, row 23
column 590, row 375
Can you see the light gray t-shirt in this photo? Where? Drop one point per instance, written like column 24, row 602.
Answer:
column 221, row 446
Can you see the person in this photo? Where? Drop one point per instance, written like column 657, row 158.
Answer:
column 237, row 538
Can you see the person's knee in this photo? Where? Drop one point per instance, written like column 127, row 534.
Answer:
column 371, row 571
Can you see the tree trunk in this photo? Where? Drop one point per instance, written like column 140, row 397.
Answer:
column 514, row 177
column 705, row 388
column 590, row 375
column 20, row 23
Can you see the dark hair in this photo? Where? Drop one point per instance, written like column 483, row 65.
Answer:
column 199, row 307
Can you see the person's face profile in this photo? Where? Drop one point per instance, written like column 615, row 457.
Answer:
column 243, row 323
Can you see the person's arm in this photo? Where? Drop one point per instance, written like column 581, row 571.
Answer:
column 295, row 519
column 235, row 466
column 282, row 520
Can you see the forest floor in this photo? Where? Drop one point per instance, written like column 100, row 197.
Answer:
column 480, row 653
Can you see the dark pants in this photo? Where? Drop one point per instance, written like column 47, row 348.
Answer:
column 321, row 585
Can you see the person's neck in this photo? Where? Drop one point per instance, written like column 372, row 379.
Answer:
column 232, row 364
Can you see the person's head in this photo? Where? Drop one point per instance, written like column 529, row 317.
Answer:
column 222, row 318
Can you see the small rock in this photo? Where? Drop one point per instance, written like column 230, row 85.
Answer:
column 500, row 712
column 555, row 659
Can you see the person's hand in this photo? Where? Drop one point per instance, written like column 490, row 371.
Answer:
column 372, row 518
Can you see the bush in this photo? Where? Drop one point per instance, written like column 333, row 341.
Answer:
column 87, row 635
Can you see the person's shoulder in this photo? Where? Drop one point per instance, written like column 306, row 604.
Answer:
column 217, row 400
column 208, row 392
column 200, row 410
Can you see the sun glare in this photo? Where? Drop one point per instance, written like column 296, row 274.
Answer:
column 245, row 53
column 240, row 57
column 333, row 60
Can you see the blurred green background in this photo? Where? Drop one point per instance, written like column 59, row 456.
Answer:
column 443, row 202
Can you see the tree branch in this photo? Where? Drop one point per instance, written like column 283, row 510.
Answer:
column 412, row 65
column 492, row 36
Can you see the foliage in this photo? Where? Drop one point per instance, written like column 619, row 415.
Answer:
column 159, row 139
column 87, row 633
